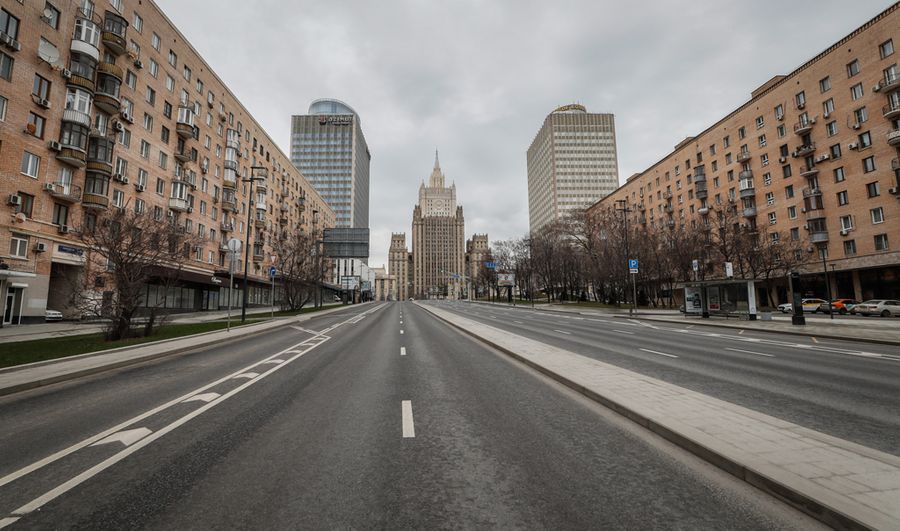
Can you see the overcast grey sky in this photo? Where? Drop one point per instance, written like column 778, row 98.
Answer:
column 475, row 78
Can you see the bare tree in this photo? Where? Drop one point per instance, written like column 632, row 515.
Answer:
column 126, row 251
column 300, row 268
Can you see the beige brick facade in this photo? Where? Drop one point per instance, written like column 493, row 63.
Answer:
column 134, row 118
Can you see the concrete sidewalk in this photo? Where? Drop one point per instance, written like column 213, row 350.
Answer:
column 23, row 377
column 843, row 484
column 73, row 328
column 872, row 330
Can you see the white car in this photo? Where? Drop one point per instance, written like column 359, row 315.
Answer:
column 53, row 315
column 884, row 308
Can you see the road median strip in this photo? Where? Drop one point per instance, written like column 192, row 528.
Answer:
column 803, row 467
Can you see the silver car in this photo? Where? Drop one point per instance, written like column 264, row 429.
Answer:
column 882, row 307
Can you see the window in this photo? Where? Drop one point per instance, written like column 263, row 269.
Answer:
column 167, row 110
column 137, row 23
column 864, row 140
column 842, row 198
column 118, row 198
column 31, row 164
column 825, row 84
column 41, row 87
column 199, row 86
column 6, row 66
column 795, row 234
column 53, row 19
column 121, row 166
column 186, row 73
column 36, row 125
column 877, row 215
column 835, row 151
column 873, row 189
column 18, row 246
column 160, row 186
column 856, row 91
column 773, row 219
column 861, row 115
column 891, row 73
column 742, row 133
column 881, row 242
column 760, row 122
column 27, row 206
column 792, row 212
column 853, row 68
column 139, row 206
column 846, row 222
column 868, row 164
column 3, row 104
column 838, row 174
column 767, row 178
column 828, row 107
column 831, row 128
column 164, row 134
column 157, row 213
column 60, row 215
column 117, row 4
column 145, row 149
column 850, row 248
column 170, row 83
column 782, row 130
column 153, row 68
column 786, row 170
column 886, row 48
column 163, row 160
column 726, row 141
column 142, row 177
column 130, row 80
column 125, row 138
column 151, row 96
column 173, row 58
column 762, row 140
column 770, row 198
column 800, row 99
column 9, row 24
column 155, row 41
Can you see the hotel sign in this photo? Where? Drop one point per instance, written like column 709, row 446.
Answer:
column 335, row 119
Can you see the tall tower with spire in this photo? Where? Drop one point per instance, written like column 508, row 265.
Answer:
column 438, row 239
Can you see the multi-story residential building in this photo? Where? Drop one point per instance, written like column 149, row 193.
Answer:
column 400, row 265
column 105, row 105
column 328, row 146
column 571, row 163
column 478, row 251
column 812, row 157
column 438, row 235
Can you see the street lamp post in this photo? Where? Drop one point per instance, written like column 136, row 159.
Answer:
column 625, row 211
column 822, row 250
column 257, row 173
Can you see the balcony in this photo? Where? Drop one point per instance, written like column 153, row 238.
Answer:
column 895, row 164
column 184, row 126
column 261, row 205
column 77, row 117
column 703, row 211
column 283, row 220
column 185, row 155
column 889, row 83
column 671, row 223
column 109, row 81
column 262, row 186
column 258, row 257
column 815, row 213
column 667, row 194
column 80, row 81
column 65, row 192
column 285, row 207
column 84, row 47
column 818, row 237
column 229, row 203
column 233, row 140
column 893, row 137
column 701, row 193
column 72, row 156
column 743, row 156
column 229, row 180
column 642, row 220
column 226, row 226
column 750, row 212
column 99, row 155
column 111, row 70
column 641, row 206
column 804, row 126
column 668, row 208
column 809, row 171
column 804, row 150
column 891, row 111
column 113, row 35
column 94, row 201
column 179, row 205
column 812, row 192
column 747, row 190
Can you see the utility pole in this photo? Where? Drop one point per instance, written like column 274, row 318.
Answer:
column 622, row 206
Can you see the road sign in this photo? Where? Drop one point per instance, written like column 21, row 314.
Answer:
column 273, row 271
column 506, row 279
column 234, row 245
column 490, row 265
column 729, row 269
column 632, row 263
column 695, row 264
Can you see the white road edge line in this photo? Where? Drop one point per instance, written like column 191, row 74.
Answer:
column 657, row 352
column 90, row 440
column 750, row 352
column 409, row 430
column 624, row 332
column 563, row 332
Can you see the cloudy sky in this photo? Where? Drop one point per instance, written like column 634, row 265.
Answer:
column 475, row 78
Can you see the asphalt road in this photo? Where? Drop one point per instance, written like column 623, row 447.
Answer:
column 380, row 416
column 848, row 389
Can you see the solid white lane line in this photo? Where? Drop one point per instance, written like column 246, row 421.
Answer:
column 203, row 397
column 401, row 331
column 403, row 351
column 126, row 437
column 8, row 521
column 401, row 321
column 563, row 332
column 751, row 352
column 624, row 332
column 657, row 352
column 518, row 322
column 272, row 362
column 409, row 430
column 52, row 494
column 248, row 375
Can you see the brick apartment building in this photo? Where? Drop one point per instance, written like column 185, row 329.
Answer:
column 104, row 104
column 813, row 156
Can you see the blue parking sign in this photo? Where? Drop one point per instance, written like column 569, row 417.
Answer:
column 632, row 263
column 272, row 272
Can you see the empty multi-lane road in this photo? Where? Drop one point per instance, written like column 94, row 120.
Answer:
column 382, row 415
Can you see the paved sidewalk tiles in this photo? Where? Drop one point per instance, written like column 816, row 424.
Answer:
column 841, row 483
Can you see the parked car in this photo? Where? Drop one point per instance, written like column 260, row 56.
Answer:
column 52, row 315
column 841, row 306
column 809, row 305
column 882, row 307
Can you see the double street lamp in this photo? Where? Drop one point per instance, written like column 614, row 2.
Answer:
column 622, row 206
column 257, row 173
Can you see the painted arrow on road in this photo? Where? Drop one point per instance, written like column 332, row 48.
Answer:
column 126, row 437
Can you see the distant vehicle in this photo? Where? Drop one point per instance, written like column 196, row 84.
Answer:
column 882, row 307
column 841, row 306
column 809, row 305
column 53, row 315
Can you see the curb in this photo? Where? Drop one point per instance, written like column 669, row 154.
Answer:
column 798, row 500
column 42, row 382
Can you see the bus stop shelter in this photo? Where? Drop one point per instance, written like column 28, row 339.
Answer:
column 730, row 297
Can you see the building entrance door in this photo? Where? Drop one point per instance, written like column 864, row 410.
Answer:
column 9, row 309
